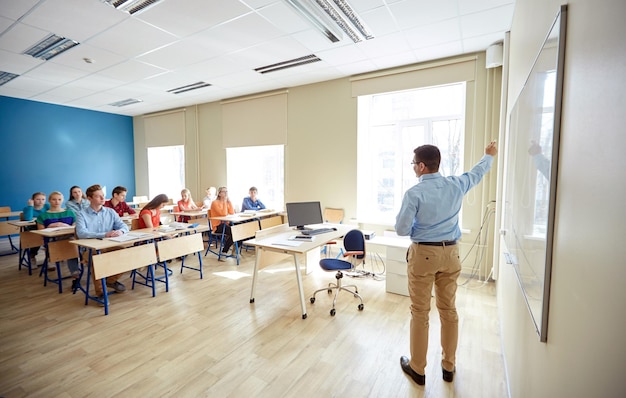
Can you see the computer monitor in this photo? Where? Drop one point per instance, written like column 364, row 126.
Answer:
column 301, row 214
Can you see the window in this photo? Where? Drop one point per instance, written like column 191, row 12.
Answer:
column 166, row 171
column 390, row 126
column 258, row 166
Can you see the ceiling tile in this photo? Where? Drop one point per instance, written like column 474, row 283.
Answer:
column 132, row 38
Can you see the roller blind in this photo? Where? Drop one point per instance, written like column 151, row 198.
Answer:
column 256, row 120
column 423, row 75
column 165, row 129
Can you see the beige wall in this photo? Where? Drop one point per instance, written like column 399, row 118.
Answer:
column 585, row 354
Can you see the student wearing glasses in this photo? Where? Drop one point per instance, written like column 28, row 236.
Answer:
column 221, row 207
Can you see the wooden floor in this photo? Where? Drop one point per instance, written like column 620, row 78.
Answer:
column 204, row 339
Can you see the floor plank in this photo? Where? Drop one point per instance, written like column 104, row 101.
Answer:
column 204, row 338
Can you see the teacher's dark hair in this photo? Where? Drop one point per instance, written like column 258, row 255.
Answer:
column 429, row 155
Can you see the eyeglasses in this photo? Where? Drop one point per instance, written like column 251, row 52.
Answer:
column 418, row 162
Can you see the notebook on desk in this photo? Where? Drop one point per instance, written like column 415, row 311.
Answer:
column 130, row 236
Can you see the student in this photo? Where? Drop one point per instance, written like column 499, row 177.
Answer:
column 210, row 197
column 77, row 201
column 118, row 202
column 429, row 214
column 252, row 202
column 55, row 217
column 150, row 215
column 219, row 208
column 35, row 206
column 97, row 221
column 186, row 204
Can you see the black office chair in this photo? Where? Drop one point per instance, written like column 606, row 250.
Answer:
column 354, row 245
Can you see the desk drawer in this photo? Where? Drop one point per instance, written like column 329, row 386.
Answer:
column 396, row 267
column 396, row 253
column 397, row 284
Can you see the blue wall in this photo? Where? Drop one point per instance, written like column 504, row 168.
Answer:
column 45, row 147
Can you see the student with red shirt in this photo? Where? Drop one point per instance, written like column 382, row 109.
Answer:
column 118, row 202
column 150, row 215
column 186, row 204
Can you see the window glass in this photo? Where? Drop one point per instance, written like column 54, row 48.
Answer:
column 166, row 171
column 258, row 166
column 390, row 126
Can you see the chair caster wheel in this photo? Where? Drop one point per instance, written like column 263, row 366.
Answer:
column 332, row 312
column 360, row 307
column 312, row 300
column 251, row 300
column 330, row 291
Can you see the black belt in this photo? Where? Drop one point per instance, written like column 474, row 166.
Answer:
column 444, row 243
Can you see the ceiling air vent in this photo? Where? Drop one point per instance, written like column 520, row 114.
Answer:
column 188, row 87
column 50, row 47
column 6, row 77
column 132, row 6
column 307, row 59
column 125, row 102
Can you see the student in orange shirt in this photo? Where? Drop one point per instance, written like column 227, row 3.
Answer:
column 222, row 207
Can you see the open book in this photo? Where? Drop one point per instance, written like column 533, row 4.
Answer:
column 131, row 236
column 57, row 228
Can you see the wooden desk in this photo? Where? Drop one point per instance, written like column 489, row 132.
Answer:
column 7, row 228
column 149, row 235
column 23, row 260
column 191, row 213
column 238, row 218
column 52, row 234
column 275, row 241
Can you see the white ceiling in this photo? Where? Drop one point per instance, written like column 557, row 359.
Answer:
column 179, row 42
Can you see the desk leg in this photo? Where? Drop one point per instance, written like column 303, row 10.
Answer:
column 300, row 288
column 259, row 253
column 106, row 295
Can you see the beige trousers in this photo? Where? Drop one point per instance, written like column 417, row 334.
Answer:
column 441, row 266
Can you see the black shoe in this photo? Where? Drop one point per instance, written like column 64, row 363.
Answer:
column 117, row 286
column 75, row 285
column 447, row 376
column 406, row 368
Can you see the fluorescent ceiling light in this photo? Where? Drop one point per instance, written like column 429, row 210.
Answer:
column 6, row 77
column 307, row 59
column 318, row 19
column 50, row 47
column 327, row 16
column 189, row 87
column 131, row 6
column 125, row 102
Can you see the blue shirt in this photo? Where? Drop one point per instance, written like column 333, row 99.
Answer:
column 248, row 204
column 77, row 207
column 30, row 212
column 430, row 209
column 91, row 224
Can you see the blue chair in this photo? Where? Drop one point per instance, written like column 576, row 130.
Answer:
column 354, row 244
